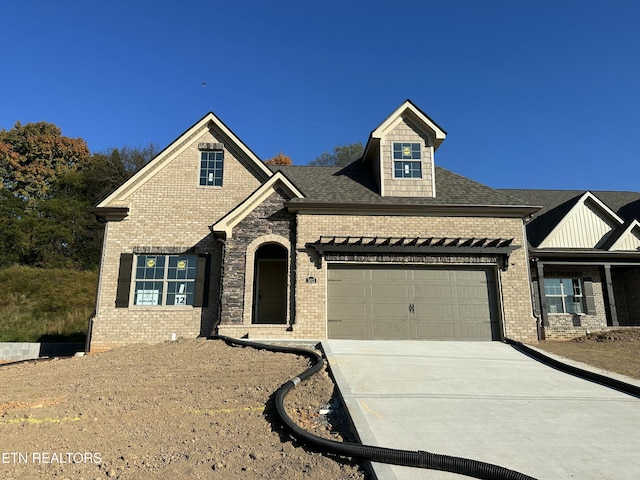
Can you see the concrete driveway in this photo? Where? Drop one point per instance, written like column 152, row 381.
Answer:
column 485, row 401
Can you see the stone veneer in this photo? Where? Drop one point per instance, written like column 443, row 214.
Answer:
column 268, row 223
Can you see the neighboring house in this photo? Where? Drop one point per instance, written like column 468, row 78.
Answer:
column 206, row 238
column 584, row 248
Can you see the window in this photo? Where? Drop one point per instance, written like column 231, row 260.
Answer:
column 165, row 280
column 211, row 163
column 407, row 160
column 563, row 295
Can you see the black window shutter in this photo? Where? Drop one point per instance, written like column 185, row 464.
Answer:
column 124, row 280
column 589, row 300
column 202, row 282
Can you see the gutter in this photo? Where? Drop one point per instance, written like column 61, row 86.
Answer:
column 517, row 211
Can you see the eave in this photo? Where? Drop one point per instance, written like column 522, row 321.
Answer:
column 583, row 256
column 109, row 214
column 322, row 208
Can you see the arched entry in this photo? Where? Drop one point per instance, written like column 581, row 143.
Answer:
column 270, row 285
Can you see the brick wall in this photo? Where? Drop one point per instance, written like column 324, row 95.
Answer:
column 311, row 298
column 626, row 286
column 567, row 326
column 168, row 209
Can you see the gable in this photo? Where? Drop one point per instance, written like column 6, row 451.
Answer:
column 185, row 150
column 629, row 239
column 588, row 224
column 400, row 153
column 223, row 228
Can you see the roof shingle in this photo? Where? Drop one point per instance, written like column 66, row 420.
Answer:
column 354, row 184
column 557, row 203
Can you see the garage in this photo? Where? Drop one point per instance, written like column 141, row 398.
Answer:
column 412, row 302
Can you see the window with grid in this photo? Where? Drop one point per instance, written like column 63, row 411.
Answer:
column 211, row 167
column 564, row 295
column 165, row 280
column 407, row 160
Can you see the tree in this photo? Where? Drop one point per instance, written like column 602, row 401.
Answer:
column 12, row 237
column 280, row 159
column 34, row 155
column 104, row 172
column 56, row 229
column 341, row 156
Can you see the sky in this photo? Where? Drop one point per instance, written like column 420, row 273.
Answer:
column 532, row 94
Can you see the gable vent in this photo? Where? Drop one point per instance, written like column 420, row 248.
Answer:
column 211, row 146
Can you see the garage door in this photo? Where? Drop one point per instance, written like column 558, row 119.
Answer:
column 412, row 302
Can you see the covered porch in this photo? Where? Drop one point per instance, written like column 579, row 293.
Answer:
column 581, row 291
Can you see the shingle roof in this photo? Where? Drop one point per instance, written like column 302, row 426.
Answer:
column 355, row 184
column 557, row 203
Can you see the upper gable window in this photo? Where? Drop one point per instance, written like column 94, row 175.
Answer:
column 211, row 167
column 407, row 160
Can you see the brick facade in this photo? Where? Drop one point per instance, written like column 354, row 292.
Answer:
column 569, row 326
column 517, row 319
column 626, row 285
column 168, row 210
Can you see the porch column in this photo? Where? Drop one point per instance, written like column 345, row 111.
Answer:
column 543, row 299
column 610, row 296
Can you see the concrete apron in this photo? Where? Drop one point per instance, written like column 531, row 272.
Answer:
column 488, row 402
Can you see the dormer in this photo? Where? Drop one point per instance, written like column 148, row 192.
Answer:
column 401, row 153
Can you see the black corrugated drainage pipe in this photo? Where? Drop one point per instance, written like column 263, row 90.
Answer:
column 619, row 385
column 433, row 461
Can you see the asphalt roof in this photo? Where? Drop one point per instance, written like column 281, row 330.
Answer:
column 355, row 184
column 557, row 203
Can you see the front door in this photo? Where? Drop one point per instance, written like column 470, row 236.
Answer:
column 271, row 291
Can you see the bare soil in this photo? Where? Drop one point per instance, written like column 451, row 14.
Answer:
column 194, row 409
column 615, row 350
column 190, row 409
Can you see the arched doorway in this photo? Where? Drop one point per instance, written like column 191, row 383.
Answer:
column 270, row 285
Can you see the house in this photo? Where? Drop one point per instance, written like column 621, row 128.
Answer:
column 584, row 248
column 207, row 238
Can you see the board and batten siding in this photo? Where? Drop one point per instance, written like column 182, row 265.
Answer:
column 585, row 228
column 629, row 242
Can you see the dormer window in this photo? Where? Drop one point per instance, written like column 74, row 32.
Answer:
column 407, row 160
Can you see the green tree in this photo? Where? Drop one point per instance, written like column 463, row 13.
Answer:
column 12, row 237
column 104, row 172
column 341, row 156
column 34, row 155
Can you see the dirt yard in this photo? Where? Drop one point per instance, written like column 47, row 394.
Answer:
column 615, row 350
column 191, row 409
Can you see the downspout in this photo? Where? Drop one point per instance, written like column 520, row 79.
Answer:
column 530, row 278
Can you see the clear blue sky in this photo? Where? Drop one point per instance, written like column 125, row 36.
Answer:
column 532, row 94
